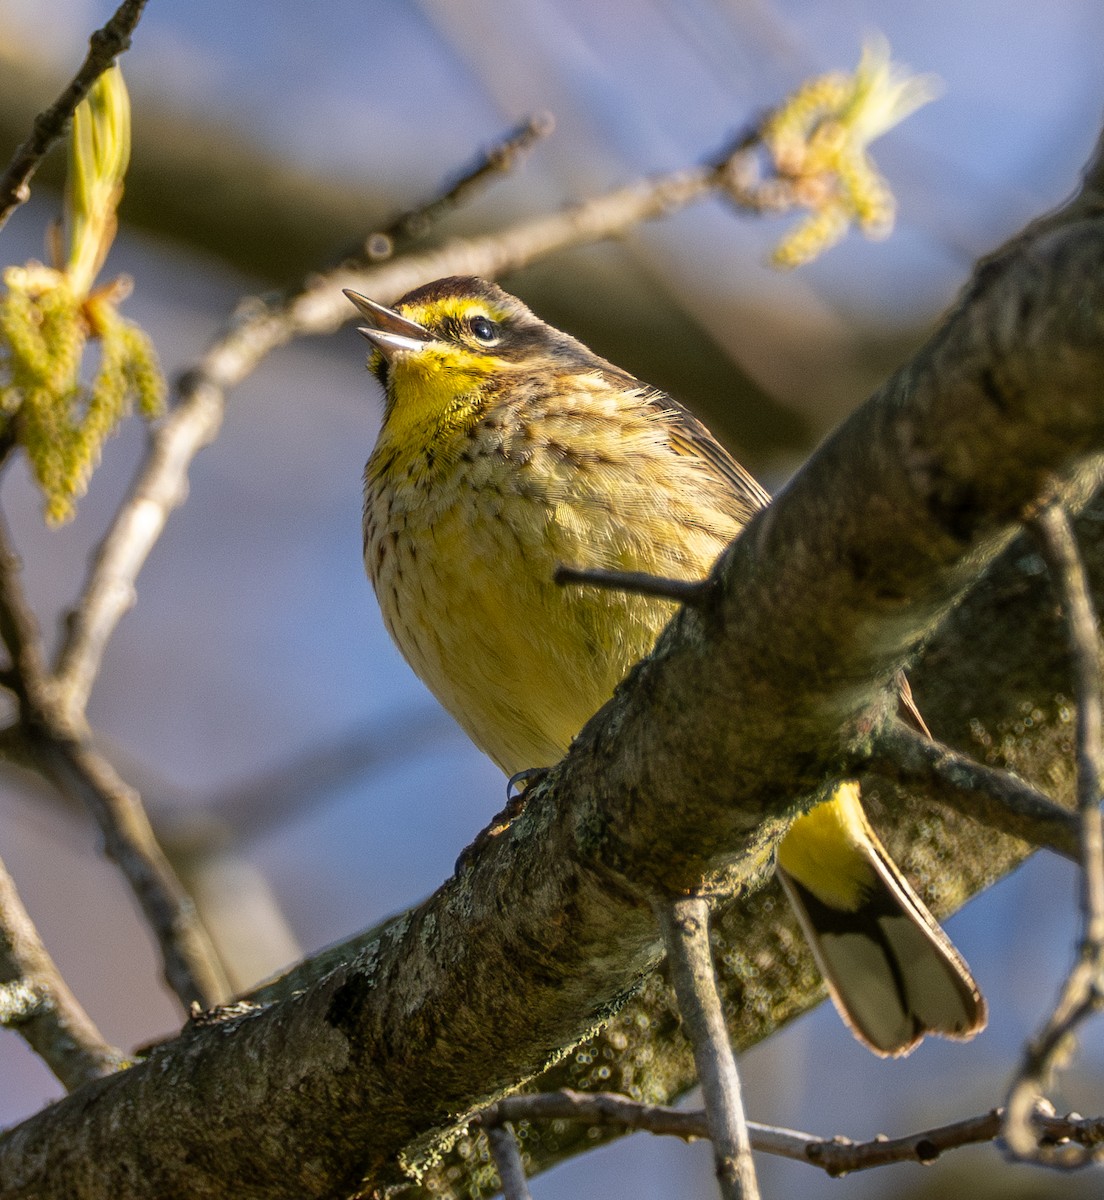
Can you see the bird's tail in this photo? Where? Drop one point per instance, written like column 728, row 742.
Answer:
column 890, row 969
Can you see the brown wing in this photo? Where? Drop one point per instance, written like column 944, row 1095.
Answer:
column 689, row 436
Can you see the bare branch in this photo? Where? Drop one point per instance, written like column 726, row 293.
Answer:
column 1083, row 992
column 1064, row 561
column 105, row 45
column 613, row 1109
column 161, row 485
column 192, row 968
column 840, row 1156
column 836, row 1155
column 19, row 631
column 36, row 1002
column 996, row 798
column 685, row 925
column 58, row 748
column 507, row 1157
column 607, row 1108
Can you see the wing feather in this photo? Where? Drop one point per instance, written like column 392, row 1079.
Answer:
column 690, row 437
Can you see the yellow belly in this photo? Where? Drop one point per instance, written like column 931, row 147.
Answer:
column 462, row 556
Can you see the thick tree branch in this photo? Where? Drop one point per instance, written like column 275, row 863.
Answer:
column 995, row 678
column 829, row 592
column 105, row 45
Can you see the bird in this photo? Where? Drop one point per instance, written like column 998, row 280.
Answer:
column 507, row 449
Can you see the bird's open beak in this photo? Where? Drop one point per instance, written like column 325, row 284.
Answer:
column 386, row 329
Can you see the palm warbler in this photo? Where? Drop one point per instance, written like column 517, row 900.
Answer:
column 508, row 448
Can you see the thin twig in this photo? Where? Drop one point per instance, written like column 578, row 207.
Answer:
column 192, row 967
column 1083, row 992
column 998, row 799
column 58, row 746
column 839, row 1156
column 27, row 676
column 50, row 1017
column 836, row 1155
column 105, row 45
column 637, row 583
column 507, row 1158
column 321, row 308
column 36, row 1002
column 499, row 159
column 685, row 925
column 600, row 1108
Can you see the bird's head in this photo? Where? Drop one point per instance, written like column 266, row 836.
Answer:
column 446, row 346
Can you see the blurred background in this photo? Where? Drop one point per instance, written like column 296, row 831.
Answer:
column 306, row 782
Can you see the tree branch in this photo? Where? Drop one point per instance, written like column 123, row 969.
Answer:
column 685, row 925
column 57, row 746
column 507, row 1158
column 836, row 1156
column 105, row 45
column 1083, row 992
column 192, row 968
column 27, row 676
column 161, row 485
column 994, row 675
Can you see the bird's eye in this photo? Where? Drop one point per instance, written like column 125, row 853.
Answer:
column 484, row 330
